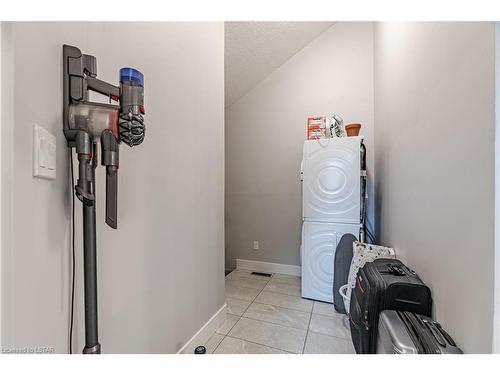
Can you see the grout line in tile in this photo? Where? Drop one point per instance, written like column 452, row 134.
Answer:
column 277, row 324
column 285, row 294
column 336, row 314
column 281, row 307
column 335, row 337
column 339, row 316
column 218, row 344
column 289, row 308
column 307, row 332
column 326, row 334
column 239, row 299
column 251, row 287
column 245, row 310
column 255, row 298
column 291, row 295
column 258, row 343
column 239, row 317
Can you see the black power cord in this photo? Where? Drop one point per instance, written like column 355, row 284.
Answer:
column 73, row 252
column 370, row 235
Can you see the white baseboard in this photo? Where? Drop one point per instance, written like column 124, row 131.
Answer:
column 255, row 265
column 205, row 332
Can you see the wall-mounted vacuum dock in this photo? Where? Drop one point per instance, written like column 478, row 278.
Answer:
column 86, row 123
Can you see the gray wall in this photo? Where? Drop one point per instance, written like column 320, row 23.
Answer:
column 161, row 273
column 434, row 131
column 496, row 309
column 265, row 131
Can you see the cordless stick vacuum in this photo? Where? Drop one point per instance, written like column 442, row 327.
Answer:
column 85, row 123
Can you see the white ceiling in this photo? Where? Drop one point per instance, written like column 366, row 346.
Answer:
column 253, row 50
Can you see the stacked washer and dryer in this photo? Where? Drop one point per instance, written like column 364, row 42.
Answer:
column 333, row 204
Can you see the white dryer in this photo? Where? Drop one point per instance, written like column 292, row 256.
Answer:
column 331, row 207
column 331, row 180
column 319, row 241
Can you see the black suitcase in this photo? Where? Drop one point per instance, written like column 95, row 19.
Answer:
column 384, row 284
column 341, row 267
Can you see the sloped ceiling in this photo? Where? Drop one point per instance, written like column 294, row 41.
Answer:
column 253, row 50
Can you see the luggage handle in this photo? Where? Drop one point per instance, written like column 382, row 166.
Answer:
column 422, row 334
column 435, row 333
column 447, row 337
column 406, row 301
column 394, row 270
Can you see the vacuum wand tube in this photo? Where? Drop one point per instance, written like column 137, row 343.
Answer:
column 92, row 345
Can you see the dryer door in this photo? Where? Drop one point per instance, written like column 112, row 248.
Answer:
column 319, row 241
column 331, row 180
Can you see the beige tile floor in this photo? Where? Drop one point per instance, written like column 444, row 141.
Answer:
column 268, row 316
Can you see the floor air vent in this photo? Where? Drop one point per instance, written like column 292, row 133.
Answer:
column 262, row 274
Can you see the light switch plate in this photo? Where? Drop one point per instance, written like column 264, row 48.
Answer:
column 44, row 153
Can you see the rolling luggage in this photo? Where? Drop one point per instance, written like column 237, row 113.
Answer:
column 402, row 332
column 363, row 253
column 384, row 284
column 341, row 266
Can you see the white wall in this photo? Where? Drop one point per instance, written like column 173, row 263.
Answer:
column 1, row 54
column 160, row 275
column 434, row 133
column 496, row 319
column 265, row 131
column 6, row 139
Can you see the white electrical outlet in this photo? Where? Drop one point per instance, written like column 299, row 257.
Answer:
column 256, row 245
column 44, row 153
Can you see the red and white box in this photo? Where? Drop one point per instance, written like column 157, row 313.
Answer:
column 316, row 127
